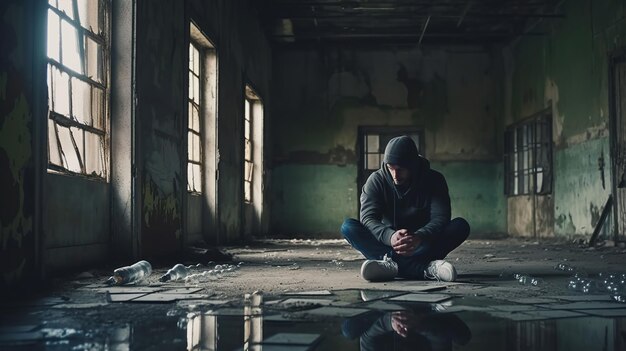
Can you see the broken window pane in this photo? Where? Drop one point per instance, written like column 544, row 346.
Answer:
column 81, row 96
column 93, row 59
column 60, row 91
column 94, row 154
column 97, row 108
column 66, row 6
column 54, row 156
column 88, row 13
column 69, row 152
column 70, row 51
column 53, row 36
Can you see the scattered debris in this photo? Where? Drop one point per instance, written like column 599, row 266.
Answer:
column 130, row 274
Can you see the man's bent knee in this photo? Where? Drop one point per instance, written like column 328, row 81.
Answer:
column 349, row 226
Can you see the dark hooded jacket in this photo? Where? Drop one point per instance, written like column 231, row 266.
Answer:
column 422, row 206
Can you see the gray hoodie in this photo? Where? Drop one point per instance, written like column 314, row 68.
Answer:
column 421, row 207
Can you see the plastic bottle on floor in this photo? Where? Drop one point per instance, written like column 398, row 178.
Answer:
column 130, row 274
column 179, row 271
column 527, row 280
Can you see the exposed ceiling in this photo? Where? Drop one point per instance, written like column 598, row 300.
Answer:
column 422, row 22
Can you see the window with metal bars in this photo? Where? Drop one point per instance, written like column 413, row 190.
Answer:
column 201, row 111
column 248, row 165
column 78, row 91
column 528, row 156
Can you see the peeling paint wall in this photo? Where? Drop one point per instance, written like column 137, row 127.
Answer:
column 18, row 163
column 568, row 70
column 160, row 80
column 578, row 187
column 324, row 95
column 243, row 57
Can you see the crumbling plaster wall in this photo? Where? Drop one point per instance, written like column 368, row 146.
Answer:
column 322, row 97
column 568, row 70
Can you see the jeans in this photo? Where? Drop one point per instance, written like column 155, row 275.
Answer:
column 437, row 248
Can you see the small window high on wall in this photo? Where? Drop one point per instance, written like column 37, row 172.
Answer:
column 528, row 156
column 78, row 39
column 201, row 109
column 253, row 115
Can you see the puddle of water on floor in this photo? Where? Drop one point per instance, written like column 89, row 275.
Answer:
column 350, row 319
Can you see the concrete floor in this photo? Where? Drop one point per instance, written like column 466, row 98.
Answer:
column 485, row 309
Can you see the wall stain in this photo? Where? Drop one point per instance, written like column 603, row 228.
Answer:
column 337, row 156
column 161, row 224
column 566, row 223
column 595, row 214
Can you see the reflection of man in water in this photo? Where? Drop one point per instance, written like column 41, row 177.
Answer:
column 407, row 330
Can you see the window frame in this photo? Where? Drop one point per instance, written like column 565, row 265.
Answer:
column 191, row 103
column 54, row 118
column 528, row 152
column 251, row 99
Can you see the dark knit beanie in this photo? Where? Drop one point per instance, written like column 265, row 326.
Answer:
column 401, row 151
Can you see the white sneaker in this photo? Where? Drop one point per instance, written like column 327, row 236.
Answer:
column 440, row 270
column 379, row 270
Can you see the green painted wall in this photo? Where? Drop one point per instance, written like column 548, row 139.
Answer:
column 313, row 199
column 578, row 186
column 569, row 68
column 480, row 200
